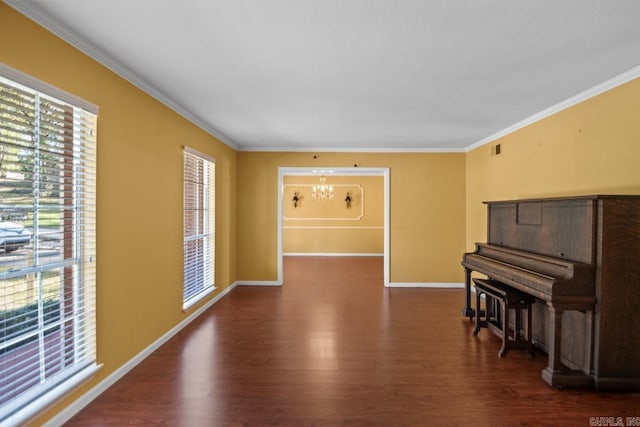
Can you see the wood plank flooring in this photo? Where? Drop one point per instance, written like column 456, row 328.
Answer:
column 333, row 347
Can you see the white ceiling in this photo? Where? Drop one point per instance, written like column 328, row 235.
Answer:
column 362, row 75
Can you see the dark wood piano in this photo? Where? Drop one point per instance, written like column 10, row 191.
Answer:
column 580, row 258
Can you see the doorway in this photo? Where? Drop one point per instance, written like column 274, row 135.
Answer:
column 328, row 171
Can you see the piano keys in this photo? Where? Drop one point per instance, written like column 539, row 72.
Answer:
column 580, row 258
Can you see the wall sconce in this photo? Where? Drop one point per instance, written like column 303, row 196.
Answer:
column 348, row 200
column 296, row 199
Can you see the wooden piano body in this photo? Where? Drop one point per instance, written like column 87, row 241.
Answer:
column 580, row 258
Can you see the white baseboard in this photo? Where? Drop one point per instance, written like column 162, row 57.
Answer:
column 258, row 283
column 425, row 285
column 329, row 254
column 66, row 414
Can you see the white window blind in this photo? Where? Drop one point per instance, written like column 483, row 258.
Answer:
column 47, row 247
column 199, row 226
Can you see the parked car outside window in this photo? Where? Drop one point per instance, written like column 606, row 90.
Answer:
column 13, row 236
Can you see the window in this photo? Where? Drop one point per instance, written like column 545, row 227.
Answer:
column 47, row 244
column 199, row 226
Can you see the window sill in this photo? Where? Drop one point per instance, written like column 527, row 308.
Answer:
column 197, row 298
column 35, row 406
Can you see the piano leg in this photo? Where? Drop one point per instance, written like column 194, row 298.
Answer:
column 467, row 311
column 529, row 332
column 556, row 375
column 555, row 326
column 505, row 329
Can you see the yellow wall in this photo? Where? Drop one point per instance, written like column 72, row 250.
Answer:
column 590, row 148
column 329, row 226
column 427, row 211
column 139, row 229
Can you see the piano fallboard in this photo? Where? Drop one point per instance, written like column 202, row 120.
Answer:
column 546, row 278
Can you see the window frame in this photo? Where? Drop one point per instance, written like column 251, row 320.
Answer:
column 199, row 204
column 82, row 280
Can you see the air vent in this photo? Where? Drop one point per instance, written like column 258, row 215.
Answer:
column 496, row 150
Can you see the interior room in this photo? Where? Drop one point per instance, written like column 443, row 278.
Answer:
column 351, row 150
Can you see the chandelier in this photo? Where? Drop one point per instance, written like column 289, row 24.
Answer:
column 322, row 191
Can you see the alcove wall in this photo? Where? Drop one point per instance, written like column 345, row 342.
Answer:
column 313, row 226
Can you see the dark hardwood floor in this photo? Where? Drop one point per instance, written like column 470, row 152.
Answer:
column 334, row 347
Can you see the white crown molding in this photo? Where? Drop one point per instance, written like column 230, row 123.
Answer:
column 569, row 102
column 351, row 150
column 37, row 15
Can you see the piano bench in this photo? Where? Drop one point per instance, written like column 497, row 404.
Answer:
column 502, row 298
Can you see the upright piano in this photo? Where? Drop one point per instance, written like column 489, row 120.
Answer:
column 580, row 258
